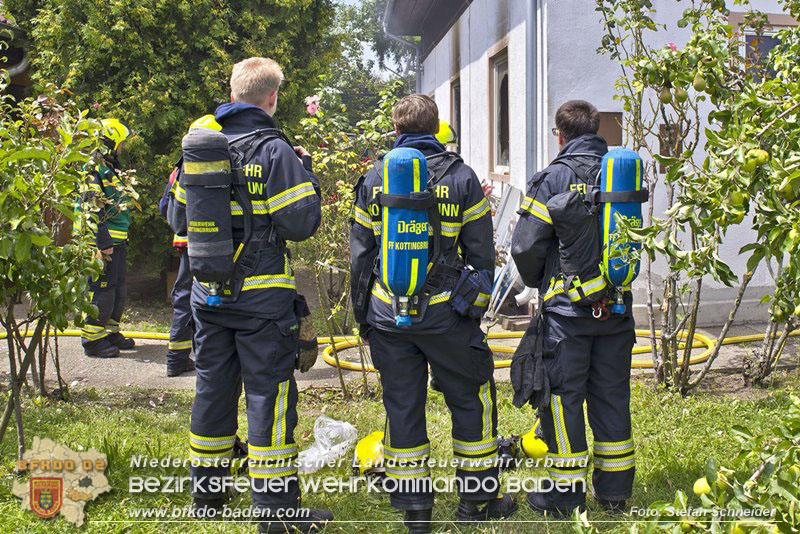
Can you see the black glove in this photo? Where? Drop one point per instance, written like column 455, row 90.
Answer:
column 528, row 373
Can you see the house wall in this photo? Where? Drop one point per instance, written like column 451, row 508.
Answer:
column 573, row 70
column 485, row 28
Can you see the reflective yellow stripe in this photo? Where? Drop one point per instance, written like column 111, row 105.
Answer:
column 631, row 270
column 412, row 285
column 476, row 212
column 613, row 447
column 589, row 288
column 481, row 300
column 362, row 217
column 615, row 464
column 180, row 194
column 290, row 196
column 281, row 407
column 451, row 229
column 607, row 212
column 439, row 298
column 206, row 167
column 385, row 237
column 259, row 208
column 118, row 234
column 180, row 345
column 561, row 427
column 266, row 281
column 485, row 395
column 377, row 291
column 537, row 209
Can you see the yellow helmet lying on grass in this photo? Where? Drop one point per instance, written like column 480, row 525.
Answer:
column 533, row 445
column 115, row 132
column 369, row 454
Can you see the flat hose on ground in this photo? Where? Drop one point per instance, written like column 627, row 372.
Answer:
column 338, row 343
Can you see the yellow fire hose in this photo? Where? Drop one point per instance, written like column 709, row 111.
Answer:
column 339, row 343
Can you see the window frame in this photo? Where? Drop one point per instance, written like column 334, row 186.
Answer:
column 501, row 173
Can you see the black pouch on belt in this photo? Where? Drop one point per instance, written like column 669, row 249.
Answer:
column 470, row 296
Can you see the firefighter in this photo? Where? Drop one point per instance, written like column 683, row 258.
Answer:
column 254, row 338
column 100, row 336
column 587, row 359
column 452, row 344
column 181, row 332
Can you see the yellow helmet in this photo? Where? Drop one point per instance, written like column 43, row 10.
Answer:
column 533, row 445
column 208, row 122
column 369, row 453
column 445, row 135
column 115, row 131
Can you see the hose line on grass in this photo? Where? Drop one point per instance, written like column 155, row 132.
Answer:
column 339, row 343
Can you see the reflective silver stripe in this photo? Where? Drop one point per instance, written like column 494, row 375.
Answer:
column 272, row 472
column 475, row 446
column 484, row 462
column 180, row 345
column 294, row 194
column 259, row 208
column 616, row 447
column 451, row 229
column 439, row 298
column 476, row 212
column 267, row 452
column 390, row 453
column 558, row 420
column 408, row 473
column 211, row 442
column 616, row 464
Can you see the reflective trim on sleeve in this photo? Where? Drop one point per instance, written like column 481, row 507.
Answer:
column 451, row 229
column 477, row 211
column 180, row 194
column 290, row 196
column 362, row 217
column 118, row 235
column 537, row 209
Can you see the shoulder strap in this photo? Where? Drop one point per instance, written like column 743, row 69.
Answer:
column 440, row 164
column 582, row 169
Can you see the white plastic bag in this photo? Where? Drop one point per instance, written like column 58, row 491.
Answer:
column 332, row 439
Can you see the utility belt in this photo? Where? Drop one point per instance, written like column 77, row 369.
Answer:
column 466, row 290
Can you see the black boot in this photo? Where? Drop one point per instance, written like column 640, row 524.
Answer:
column 101, row 349
column 540, row 502
column 205, row 508
column 418, row 521
column 613, row 507
column 500, row 508
column 120, row 341
column 183, row 366
column 307, row 520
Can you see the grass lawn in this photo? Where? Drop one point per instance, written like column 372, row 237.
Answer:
column 674, row 437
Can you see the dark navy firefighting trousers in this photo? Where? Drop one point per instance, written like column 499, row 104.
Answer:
column 463, row 367
column 109, row 292
column 182, row 330
column 231, row 349
column 589, row 360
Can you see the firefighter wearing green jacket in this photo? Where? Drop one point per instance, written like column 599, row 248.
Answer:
column 100, row 336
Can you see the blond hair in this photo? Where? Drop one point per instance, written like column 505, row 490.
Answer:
column 254, row 79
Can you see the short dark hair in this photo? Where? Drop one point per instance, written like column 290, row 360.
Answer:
column 416, row 114
column 576, row 118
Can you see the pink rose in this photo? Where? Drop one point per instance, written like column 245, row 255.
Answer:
column 312, row 108
column 672, row 46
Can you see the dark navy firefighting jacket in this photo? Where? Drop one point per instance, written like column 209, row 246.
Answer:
column 534, row 245
column 466, row 236
column 285, row 197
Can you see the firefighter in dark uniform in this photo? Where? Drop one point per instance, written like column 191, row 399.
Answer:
column 100, row 336
column 454, row 346
column 587, row 359
column 255, row 338
column 181, row 333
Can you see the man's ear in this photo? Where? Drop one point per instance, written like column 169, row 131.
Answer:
column 272, row 98
column 561, row 140
column 396, row 132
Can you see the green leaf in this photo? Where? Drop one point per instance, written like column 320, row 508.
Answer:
column 22, row 250
column 711, row 470
column 41, row 240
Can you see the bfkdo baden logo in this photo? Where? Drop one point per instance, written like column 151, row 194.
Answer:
column 47, row 494
column 62, row 480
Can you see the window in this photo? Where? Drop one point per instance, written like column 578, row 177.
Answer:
column 455, row 107
column 500, row 146
column 611, row 127
column 756, row 49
